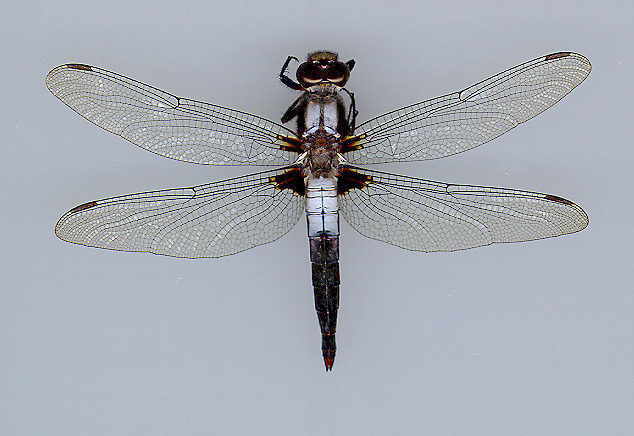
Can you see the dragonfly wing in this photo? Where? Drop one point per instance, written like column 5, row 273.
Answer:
column 423, row 215
column 178, row 128
column 463, row 120
column 211, row 220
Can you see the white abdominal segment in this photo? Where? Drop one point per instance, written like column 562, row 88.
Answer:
column 322, row 209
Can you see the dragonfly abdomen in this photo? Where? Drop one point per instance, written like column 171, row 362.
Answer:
column 322, row 214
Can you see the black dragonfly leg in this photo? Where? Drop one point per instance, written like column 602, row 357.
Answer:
column 352, row 113
column 324, row 256
column 287, row 80
column 295, row 109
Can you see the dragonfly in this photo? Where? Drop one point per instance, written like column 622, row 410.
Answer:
column 317, row 172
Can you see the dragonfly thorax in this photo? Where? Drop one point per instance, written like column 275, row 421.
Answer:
column 321, row 161
column 323, row 114
column 324, row 110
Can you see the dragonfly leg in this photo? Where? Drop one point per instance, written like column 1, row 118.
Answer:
column 287, row 80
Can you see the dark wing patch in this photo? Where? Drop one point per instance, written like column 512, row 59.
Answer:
column 351, row 179
column 83, row 207
column 291, row 179
column 79, row 67
column 558, row 199
column 561, row 54
column 352, row 143
column 290, row 143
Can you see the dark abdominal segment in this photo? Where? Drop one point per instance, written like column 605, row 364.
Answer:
column 324, row 258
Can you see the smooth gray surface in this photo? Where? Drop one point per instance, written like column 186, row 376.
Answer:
column 531, row 338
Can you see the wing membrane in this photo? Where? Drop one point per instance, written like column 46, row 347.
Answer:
column 212, row 220
column 423, row 215
column 162, row 123
column 463, row 120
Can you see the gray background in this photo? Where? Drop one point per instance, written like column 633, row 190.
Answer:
column 532, row 338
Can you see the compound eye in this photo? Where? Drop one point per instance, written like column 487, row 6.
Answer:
column 337, row 73
column 309, row 74
column 312, row 73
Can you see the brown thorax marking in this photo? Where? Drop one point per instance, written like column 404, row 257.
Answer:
column 323, row 93
column 322, row 157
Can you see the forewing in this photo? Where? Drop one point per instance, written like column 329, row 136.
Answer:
column 460, row 121
column 423, row 215
column 212, row 220
column 162, row 123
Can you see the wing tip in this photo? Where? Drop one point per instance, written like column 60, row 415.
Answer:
column 60, row 229
column 582, row 222
column 565, row 54
column 52, row 76
column 71, row 66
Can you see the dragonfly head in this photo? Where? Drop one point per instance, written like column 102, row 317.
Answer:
column 324, row 67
